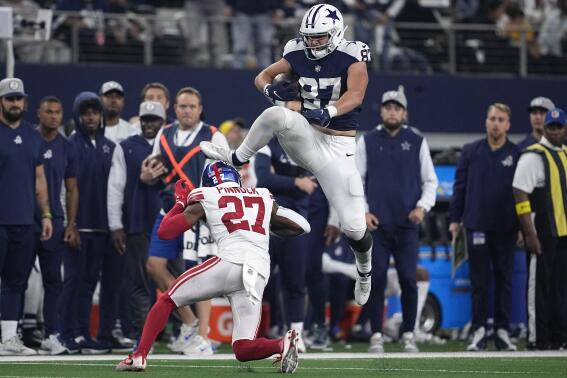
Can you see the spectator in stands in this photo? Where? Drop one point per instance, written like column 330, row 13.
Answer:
column 59, row 164
column 23, row 184
column 115, row 128
column 396, row 207
column 132, row 208
column 374, row 24
column 96, row 258
column 291, row 186
column 539, row 106
column 251, row 26
column 180, row 157
column 539, row 190
column 491, row 235
column 206, row 33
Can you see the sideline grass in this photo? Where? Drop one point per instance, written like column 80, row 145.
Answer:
column 537, row 366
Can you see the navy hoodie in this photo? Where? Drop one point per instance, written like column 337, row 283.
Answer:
column 93, row 167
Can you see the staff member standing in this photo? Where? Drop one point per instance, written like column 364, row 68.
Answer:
column 23, row 184
column 400, row 185
column 132, row 209
column 483, row 202
column 539, row 187
column 538, row 108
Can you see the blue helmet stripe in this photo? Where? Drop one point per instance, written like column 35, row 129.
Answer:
column 315, row 15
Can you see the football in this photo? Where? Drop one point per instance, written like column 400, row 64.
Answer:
column 289, row 79
column 154, row 160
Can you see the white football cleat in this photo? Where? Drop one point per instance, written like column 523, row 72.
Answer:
column 52, row 346
column 132, row 363
column 15, row 347
column 362, row 289
column 215, row 152
column 290, row 354
column 199, row 347
column 186, row 333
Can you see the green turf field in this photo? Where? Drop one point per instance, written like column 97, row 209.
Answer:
column 346, row 360
column 422, row 367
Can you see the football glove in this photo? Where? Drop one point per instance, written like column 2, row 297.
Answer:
column 319, row 117
column 281, row 92
column 182, row 191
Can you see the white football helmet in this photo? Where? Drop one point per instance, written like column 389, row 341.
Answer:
column 322, row 20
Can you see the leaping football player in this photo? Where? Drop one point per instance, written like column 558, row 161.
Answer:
column 321, row 138
column 240, row 220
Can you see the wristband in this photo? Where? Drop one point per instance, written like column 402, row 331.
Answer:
column 523, row 207
column 46, row 215
column 332, row 111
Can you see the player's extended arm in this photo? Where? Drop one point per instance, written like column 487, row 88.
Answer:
column 288, row 223
column 179, row 219
column 267, row 75
column 356, row 83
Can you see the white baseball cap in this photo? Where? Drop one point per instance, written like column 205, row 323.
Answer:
column 12, row 87
column 395, row 96
column 152, row 108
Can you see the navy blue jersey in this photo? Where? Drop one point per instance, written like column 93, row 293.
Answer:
column 323, row 81
column 19, row 156
column 59, row 164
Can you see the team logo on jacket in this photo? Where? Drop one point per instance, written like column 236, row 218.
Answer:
column 18, row 140
column 405, row 146
column 508, row 161
column 48, row 154
column 317, row 68
column 105, row 149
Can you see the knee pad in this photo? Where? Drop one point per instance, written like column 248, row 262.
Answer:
column 363, row 244
column 273, row 117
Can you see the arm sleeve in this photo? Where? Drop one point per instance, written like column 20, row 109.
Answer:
column 294, row 217
column 360, row 157
column 529, row 172
column 116, row 185
column 457, row 206
column 173, row 223
column 429, row 180
column 157, row 149
column 266, row 178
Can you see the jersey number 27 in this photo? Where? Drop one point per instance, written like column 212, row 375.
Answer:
column 233, row 219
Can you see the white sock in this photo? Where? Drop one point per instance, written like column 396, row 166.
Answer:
column 298, row 326
column 422, row 290
column 9, row 329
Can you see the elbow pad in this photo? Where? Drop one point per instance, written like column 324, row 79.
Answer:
column 295, row 218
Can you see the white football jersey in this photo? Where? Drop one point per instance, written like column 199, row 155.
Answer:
column 239, row 219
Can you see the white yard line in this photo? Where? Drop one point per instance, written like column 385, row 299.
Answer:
column 303, row 356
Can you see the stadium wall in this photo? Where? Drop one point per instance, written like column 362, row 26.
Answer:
column 436, row 103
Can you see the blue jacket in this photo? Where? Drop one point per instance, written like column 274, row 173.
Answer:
column 482, row 193
column 93, row 168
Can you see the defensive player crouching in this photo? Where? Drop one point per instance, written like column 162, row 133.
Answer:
column 240, row 220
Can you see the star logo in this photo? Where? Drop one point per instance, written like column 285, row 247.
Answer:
column 14, row 84
column 317, row 68
column 106, row 149
column 150, row 106
column 405, row 146
column 332, row 15
column 18, row 140
column 555, row 114
column 48, row 154
column 508, row 161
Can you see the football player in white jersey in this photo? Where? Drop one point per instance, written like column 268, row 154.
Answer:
column 321, row 138
column 240, row 220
